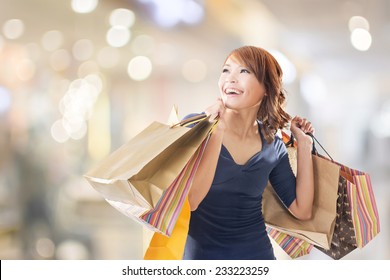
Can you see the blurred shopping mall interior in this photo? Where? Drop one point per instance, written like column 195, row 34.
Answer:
column 79, row 78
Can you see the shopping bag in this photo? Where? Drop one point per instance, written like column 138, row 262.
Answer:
column 293, row 246
column 344, row 239
column 319, row 229
column 164, row 216
column 142, row 174
column 162, row 247
column 357, row 222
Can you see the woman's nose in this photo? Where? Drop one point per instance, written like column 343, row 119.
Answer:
column 231, row 78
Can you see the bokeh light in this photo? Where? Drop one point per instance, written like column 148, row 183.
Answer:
column 358, row 22
column 72, row 250
column 45, row 248
column 83, row 49
column 58, row 132
column 361, row 39
column 76, row 107
column 139, row 68
column 170, row 13
column 52, row 40
column 289, row 70
column 5, row 99
column 84, row 6
column 13, row 29
column 122, row 17
column 118, row 36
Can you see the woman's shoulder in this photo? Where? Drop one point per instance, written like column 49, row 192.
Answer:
column 191, row 119
column 191, row 115
column 278, row 144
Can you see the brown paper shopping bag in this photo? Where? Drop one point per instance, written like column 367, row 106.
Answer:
column 135, row 177
column 357, row 221
column 319, row 229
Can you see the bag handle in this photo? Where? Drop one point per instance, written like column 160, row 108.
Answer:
column 192, row 120
column 290, row 143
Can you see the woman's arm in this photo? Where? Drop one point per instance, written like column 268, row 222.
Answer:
column 204, row 175
column 302, row 206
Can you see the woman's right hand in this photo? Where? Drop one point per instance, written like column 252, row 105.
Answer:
column 217, row 110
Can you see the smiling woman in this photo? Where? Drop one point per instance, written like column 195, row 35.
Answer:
column 242, row 155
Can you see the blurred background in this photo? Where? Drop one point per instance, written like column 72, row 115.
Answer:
column 78, row 78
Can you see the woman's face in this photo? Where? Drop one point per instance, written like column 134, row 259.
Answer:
column 239, row 87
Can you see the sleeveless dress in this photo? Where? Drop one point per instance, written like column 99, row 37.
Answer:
column 228, row 223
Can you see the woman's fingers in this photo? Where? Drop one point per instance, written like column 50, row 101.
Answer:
column 298, row 123
column 217, row 109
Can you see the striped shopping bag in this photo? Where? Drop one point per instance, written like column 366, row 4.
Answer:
column 164, row 216
column 293, row 246
column 357, row 221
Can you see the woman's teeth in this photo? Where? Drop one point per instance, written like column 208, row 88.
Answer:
column 233, row 91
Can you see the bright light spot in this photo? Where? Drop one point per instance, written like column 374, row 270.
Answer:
column 83, row 49
column 60, row 60
column 45, row 248
column 95, row 81
column 72, row 250
column 25, row 70
column 5, row 99
column 58, row 132
column 13, row 28
column 192, row 12
column 122, row 17
column 75, row 126
column 84, row 6
column 170, row 13
column 52, row 40
column 118, row 36
column 139, row 68
column 76, row 107
column 108, row 57
column 143, row 44
column 288, row 68
column 361, row 39
column 313, row 89
column 194, row 70
column 358, row 22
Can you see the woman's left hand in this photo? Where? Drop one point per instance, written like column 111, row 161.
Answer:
column 299, row 128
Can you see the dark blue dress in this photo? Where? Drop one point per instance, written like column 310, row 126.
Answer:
column 228, row 223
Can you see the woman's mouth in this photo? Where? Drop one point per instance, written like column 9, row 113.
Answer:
column 233, row 91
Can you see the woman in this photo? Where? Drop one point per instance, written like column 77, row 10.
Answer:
column 243, row 153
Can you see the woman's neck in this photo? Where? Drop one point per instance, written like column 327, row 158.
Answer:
column 241, row 123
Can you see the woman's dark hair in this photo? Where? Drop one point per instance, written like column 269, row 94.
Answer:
column 269, row 73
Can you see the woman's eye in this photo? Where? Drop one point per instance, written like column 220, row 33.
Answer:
column 244, row 71
column 225, row 70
